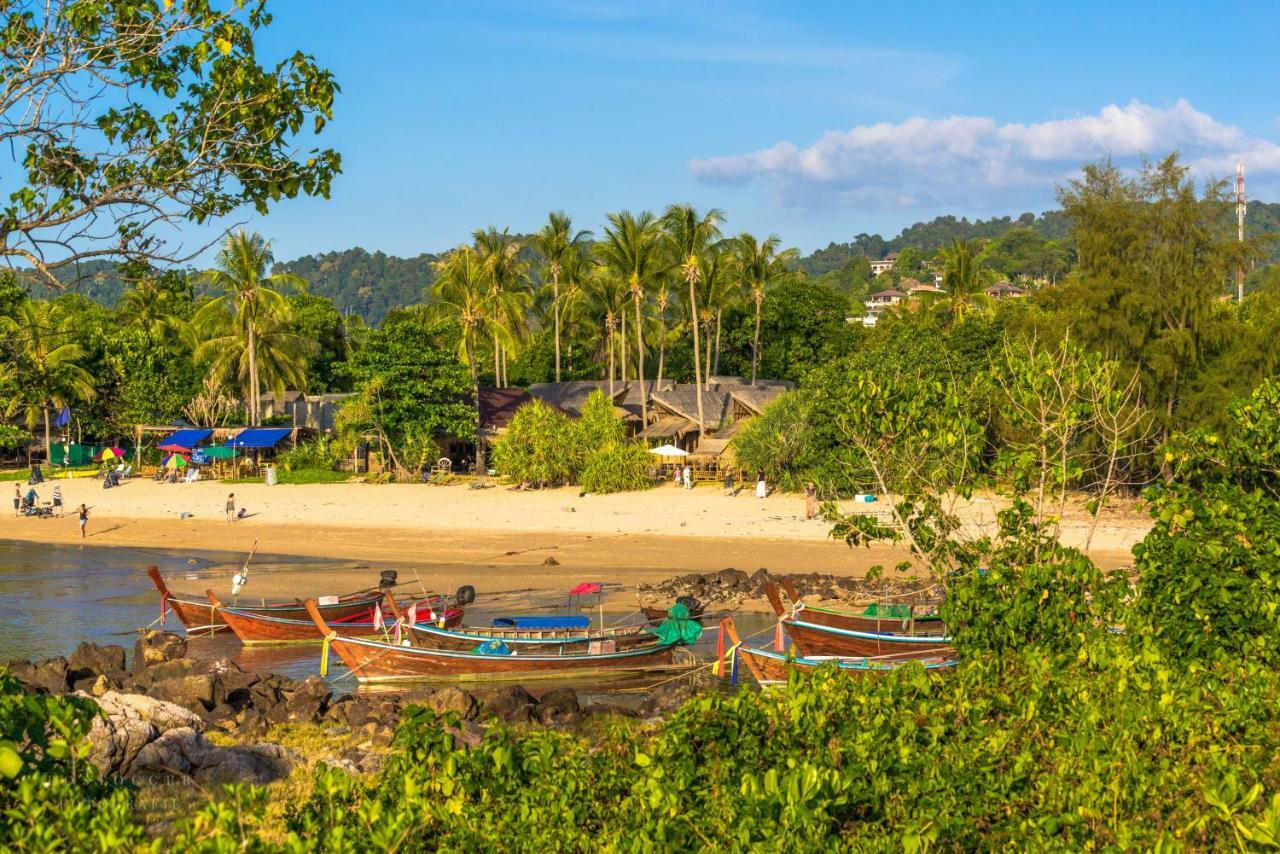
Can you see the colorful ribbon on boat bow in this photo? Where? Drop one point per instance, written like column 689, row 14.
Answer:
column 324, row 653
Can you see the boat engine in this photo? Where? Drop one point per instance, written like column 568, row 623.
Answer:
column 387, row 578
column 465, row 596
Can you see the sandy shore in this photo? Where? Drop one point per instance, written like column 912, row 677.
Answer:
column 505, row 537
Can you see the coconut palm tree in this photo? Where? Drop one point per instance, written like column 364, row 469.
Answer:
column 760, row 266
column 688, row 237
column 508, row 276
column 631, row 249
column 463, row 296
column 46, row 360
column 716, row 292
column 603, row 307
column 152, row 304
column 557, row 241
column 250, row 306
column 964, row 276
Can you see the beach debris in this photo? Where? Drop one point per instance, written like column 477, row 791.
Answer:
column 729, row 587
column 551, row 561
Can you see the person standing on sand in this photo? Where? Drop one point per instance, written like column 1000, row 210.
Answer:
column 810, row 501
column 17, row 500
column 57, row 499
column 728, row 480
column 83, row 513
column 231, row 507
column 761, row 489
column 688, row 476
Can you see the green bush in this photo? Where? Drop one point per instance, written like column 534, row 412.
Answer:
column 617, row 468
column 319, row 453
column 538, row 447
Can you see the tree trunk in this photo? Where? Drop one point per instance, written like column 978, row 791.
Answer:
column 254, row 402
column 755, row 342
column 48, row 439
column 481, row 468
column 662, row 346
column 622, row 344
column 555, row 309
column 697, row 356
column 719, row 315
column 706, row 331
column 497, row 361
column 644, row 398
column 609, row 336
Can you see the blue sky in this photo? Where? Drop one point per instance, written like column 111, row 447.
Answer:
column 812, row 120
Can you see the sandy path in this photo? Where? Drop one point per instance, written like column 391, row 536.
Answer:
column 493, row 538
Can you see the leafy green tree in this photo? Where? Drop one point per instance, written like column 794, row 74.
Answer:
column 964, row 277
column 631, row 249
column 761, row 266
column 508, row 277
column 689, row 236
column 537, row 447
column 411, row 389
column 163, row 115
column 316, row 319
column 557, row 241
column 246, row 329
column 47, row 371
column 160, row 305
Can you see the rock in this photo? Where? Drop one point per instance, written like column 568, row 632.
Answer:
column 668, row 697
column 49, row 676
column 128, row 724
column 453, row 699
column 511, row 703
column 90, row 660
column 551, row 561
column 178, row 668
column 308, row 701
column 557, row 703
column 156, row 648
column 252, row 722
column 186, row 752
column 197, row 692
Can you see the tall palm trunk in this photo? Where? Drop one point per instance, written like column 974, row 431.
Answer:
column 608, row 333
column 719, row 317
column 481, row 469
column 255, row 404
column 622, row 343
column 697, row 356
column 644, row 398
column 48, row 438
column 755, row 341
column 497, row 361
column 555, row 310
column 706, row 336
column 662, row 344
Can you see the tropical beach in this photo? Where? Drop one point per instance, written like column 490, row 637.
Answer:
column 539, row 427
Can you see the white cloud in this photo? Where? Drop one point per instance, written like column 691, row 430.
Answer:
column 974, row 160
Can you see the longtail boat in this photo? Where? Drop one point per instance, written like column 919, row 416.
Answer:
column 523, row 640
column 908, row 624
column 197, row 615
column 374, row 661
column 657, row 615
column 770, row 667
column 813, row 639
column 253, row 627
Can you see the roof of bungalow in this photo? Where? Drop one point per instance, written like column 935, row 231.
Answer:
column 889, row 292
column 1005, row 289
column 755, row 397
column 682, row 400
column 668, row 426
column 498, row 406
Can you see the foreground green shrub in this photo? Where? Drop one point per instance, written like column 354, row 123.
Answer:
column 537, row 447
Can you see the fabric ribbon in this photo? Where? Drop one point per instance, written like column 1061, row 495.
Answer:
column 164, row 606
column 779, row 644
column 324, row 653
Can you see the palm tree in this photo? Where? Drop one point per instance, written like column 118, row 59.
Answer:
column 603, row 305
column 964, row 276
column 46, row 360
column 760, row 265
column 256, row 307
column 662, row 298
column 150, row 305
column 630, row 248
column 689, row 236
column 463, row 296
column 508, row 277
column 557, row 241
column 715, row 293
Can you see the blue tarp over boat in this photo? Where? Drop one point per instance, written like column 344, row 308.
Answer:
column 542, row 623
column 187, row 438
column 259, row 437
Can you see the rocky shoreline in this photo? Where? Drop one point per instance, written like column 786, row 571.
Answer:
column 159, row 711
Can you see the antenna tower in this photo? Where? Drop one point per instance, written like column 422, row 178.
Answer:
column 1240, row 204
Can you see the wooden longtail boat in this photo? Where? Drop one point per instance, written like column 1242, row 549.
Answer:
column 813, row 639
column 198, row 615
column 772, row 668
column 256, row 628
column 927, row 626
column 374, row 661
column 525, row 640
column 657, row 615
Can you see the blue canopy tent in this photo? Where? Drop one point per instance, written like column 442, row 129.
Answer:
column 259, row 438
column 187, row 438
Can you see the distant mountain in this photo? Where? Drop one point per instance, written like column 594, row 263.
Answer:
column 367, row 283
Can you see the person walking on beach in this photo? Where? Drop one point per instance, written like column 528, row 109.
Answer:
column 17, row 500
column 57, row 499
column 761, row 489
column 810, row 501
column 688, row 477
column 83, row 513
column 231, row 507
column 728, row 480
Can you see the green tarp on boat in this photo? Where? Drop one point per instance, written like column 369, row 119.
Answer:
column 888, row 612
column 677, row 627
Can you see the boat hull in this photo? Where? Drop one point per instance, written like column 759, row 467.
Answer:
column 529, row 640
column 811, row 640
column 927, row 627
column 254, row 628
column 773, row 668
column 657, row 615
column 196, row 617
column 376, row 662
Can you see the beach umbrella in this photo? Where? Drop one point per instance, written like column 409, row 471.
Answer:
column 669, row 451
column 107, row 454
column 174, row 461
column 172, row 449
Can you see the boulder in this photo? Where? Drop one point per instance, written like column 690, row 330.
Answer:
column 51, row 675
column 177, row 668
column 155, row 647
column 668, row 697
column 90, row 660
column 309, row 700
column 453, row 699
column 185, row 752
column 128, row 724
column 557, row 703
column 98, row 685
column 511, row 703
column 197, row 692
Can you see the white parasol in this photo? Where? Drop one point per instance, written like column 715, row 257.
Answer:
column 669, row 451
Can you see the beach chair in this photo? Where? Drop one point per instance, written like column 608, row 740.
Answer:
column 192, row 475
